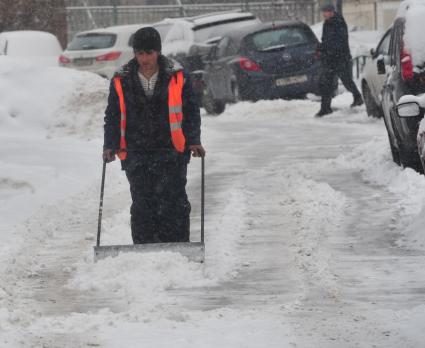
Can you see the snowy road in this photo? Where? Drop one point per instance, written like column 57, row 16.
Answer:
column 313, row 240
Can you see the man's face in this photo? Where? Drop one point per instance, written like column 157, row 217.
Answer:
column 327, row 15
column 147, row 59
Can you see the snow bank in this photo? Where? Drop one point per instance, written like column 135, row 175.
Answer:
column 52, row 100
column 374, row 160
column 40, row 164
column 318, row 210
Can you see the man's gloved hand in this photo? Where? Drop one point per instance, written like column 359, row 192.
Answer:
column 197, row 150
column 108, row 155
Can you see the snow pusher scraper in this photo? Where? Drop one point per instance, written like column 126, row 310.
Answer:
column 194, row 251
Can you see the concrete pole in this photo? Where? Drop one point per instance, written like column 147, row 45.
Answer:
column 339, row 6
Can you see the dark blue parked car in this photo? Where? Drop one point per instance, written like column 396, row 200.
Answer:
column 262, row 61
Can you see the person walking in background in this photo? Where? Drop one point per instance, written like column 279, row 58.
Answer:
column 336, row 60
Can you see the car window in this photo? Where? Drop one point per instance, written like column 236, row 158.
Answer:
column 396, row 36
column 231, row 49
column 92, row 41
column 384, row 45
column 202, row 34
column 392, row 48
column 280, row 38
column 222, row 47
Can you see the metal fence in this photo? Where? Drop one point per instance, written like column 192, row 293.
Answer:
column 91, row 17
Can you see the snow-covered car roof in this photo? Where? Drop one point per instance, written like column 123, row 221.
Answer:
column 23, row 43
column 208, row 19
column 220, row 17
column 413, row 14
column 406, row 5
column 114, row 29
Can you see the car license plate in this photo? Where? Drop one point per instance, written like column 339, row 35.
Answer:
column 291, row 80
column 83, row 61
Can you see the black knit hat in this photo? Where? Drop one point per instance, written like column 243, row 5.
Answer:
column 147, row 38
column 328, row 8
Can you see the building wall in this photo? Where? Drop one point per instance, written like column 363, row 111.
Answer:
column 44, row 15
column 370, row 15
column 366, row 14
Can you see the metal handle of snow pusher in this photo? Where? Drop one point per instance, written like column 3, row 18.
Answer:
column 102, row 190
column 202, row 199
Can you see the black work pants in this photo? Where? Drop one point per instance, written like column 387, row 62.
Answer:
column 160, row 209
column 341, row 70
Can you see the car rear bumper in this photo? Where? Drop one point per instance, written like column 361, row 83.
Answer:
column 257, row 85
column 102, row 69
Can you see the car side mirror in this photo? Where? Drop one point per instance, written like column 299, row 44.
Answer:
column 380, row 64
column 409, row 109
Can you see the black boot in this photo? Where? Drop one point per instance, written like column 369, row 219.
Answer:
column 323, row 112
column 358, row 100
column 325, row 107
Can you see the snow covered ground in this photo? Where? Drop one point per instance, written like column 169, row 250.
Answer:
column 314, row 237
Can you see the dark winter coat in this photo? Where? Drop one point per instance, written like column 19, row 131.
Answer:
column 335, row 49
column 148, row 128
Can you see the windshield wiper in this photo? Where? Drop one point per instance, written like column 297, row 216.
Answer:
column 273, row 48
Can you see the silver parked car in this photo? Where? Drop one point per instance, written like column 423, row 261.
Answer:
column 372, row 83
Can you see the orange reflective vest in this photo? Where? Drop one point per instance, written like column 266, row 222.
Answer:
column 175, row 113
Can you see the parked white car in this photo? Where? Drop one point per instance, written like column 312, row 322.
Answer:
column 101, row 51
column 372, row 83
column 39, row 46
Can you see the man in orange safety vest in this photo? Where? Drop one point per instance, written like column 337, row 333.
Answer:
column 152, row 123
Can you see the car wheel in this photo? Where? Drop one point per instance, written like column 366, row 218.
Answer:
column 410, row 159
column 235, row 91
column 211, row 105
column 394, row 151
column 372, row 108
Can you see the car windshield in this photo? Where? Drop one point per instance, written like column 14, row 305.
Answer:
column 92, row 41
column 280, row 38
column 203, row 34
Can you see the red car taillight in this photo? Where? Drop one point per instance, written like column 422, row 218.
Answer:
column 64, row 60
column 406, row 64
column 248, row 64
column 108, row 57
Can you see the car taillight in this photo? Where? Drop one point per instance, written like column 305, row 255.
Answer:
column 108, row 57
column 248, row 65
column 406, row 65
column 64, row 60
